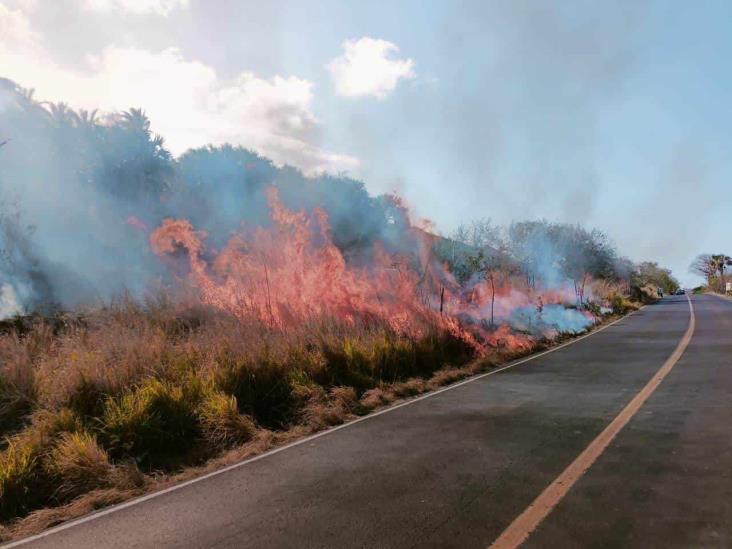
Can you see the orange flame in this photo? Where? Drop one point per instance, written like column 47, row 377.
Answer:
column 292, row 272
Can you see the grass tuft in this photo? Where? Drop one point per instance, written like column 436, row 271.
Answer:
column 222, row 424
column 78, row 465
column 19, row 480
column 155, row 424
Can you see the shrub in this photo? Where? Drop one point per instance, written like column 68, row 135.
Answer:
column 442, row 347
column 621, row 304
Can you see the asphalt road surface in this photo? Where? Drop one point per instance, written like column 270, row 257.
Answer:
column 457, row 468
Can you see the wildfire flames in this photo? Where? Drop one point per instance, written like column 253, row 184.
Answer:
column 292, row 272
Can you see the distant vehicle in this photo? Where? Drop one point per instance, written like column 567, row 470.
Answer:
column 680, row 291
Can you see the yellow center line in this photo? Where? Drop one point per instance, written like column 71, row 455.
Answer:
column 522, row 527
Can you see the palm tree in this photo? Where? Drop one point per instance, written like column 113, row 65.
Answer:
column 135, row 120
column 86, row 119
column 27, row 94
column 60, row 115
column 720, row 262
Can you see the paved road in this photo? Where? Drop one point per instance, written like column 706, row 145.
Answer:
column 455, row 469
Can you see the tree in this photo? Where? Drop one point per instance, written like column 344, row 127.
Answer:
column 491, row 266
column 713, row 268
column 485, row 253
column 703, row 266
column 469, row 246
column 721, row 262
column 553, row 253
column 649, row 273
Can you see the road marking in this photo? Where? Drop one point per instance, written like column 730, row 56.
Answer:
column 522, row 527
column 152, row 495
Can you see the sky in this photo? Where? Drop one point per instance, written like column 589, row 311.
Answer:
column 612, row 115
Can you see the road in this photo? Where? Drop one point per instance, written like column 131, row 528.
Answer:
column 457, row 468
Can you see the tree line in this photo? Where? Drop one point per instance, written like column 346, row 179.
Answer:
column 72, row 180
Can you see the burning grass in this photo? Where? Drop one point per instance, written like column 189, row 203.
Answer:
column 272, row 337
column 130, row 389
column 114, row 397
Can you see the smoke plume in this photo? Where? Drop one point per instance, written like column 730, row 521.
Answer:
column 96, row 205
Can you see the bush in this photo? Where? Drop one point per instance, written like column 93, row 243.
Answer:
column 645, row 294
column 621, row 304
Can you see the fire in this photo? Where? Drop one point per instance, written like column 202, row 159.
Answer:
column 292, row 272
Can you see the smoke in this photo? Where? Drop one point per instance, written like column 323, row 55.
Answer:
column 81, row 193
column 9, row 303
column 552, row 318
column 94, row 206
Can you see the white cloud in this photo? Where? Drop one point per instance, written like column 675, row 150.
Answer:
column 16, row 32
column 159, row 7
column 186, row 100
column 367, row 67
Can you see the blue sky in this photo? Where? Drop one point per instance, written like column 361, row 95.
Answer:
column 614, row 115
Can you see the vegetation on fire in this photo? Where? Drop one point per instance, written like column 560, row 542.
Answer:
column 326, row 304
column 99, row 403
column 101, row 400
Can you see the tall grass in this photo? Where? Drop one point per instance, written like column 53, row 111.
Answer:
column 96, row 400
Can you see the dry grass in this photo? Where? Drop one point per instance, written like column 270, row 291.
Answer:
column 79, row 464
column 46, row 518
column 133, row 397
column 86, row 398
column 221, row 422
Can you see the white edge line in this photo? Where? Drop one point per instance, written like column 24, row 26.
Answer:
column 152, row 495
